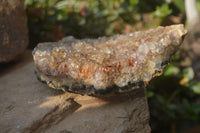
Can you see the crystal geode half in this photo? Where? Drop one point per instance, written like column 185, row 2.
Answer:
column 105, row 65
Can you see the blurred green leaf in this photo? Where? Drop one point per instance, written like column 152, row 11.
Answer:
column 198, row 5
column 180, row 4
column 171, row 70
column 188, row 73
column 196, row 87
column 149, row 93
column 134, row 2
column 162, row 11
column 175, row 57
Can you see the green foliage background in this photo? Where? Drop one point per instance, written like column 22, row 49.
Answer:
column 173, row 97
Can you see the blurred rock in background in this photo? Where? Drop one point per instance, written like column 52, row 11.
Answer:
column 13, row 29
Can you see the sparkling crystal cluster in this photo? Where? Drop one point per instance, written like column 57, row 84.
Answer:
column 108, row 64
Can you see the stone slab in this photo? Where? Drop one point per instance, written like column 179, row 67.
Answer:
column 28, row 106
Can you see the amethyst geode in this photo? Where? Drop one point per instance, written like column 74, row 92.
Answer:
column 106, row 65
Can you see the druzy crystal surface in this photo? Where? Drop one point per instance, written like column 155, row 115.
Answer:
column 105, row 65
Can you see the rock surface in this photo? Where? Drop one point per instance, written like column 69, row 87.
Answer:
column 108, row 64
column 28, row 106
column 13, row 29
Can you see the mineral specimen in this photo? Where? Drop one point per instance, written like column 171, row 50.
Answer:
column 105, row 65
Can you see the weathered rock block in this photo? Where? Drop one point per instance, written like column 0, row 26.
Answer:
column 28, row 106
column 108, row 64
column 13, row 29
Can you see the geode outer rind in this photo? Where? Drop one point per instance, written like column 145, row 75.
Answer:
column 105, row 65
